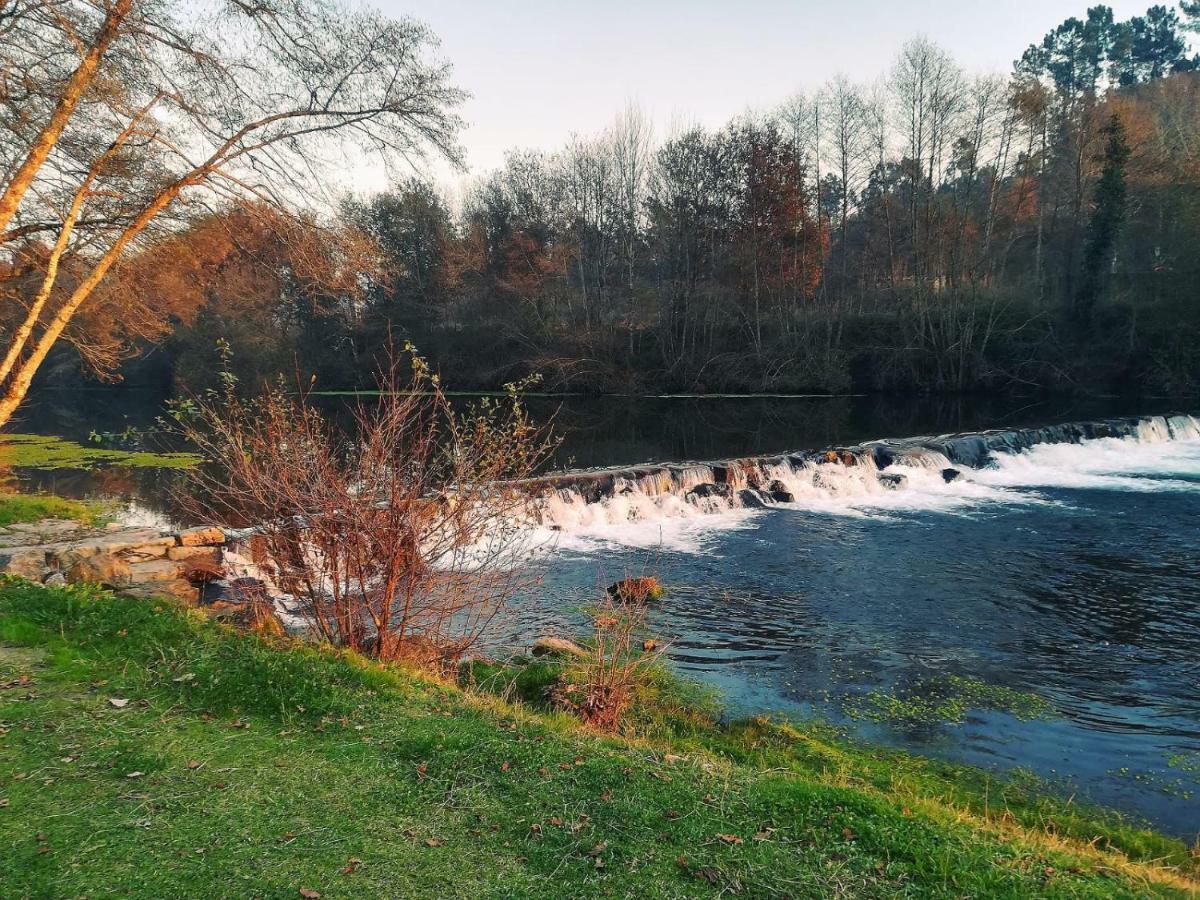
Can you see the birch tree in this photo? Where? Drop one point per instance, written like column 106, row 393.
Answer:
column 121, row 118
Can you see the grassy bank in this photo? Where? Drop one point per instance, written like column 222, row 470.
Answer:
column 18, row 509
column 147, row 752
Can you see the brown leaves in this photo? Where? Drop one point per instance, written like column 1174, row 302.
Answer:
column 118, row 702
column 309, row 894
column 730, row 839
column 434, row 842
column 351, row 866
column 848, row 833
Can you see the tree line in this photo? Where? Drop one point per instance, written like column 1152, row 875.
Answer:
column 936, row 231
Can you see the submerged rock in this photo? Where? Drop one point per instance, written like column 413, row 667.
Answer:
column 630, row 590
column 893, row 481
column 949, row 475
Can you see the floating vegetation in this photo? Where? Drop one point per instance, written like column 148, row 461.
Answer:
column 38, row 451
column 945, row 701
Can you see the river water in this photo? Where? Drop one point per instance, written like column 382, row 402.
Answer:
column 1066, row 571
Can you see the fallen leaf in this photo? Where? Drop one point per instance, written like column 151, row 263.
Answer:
column 648, row 646
column 193, row 764
column 434, row 842
column 598, row 849
column 543, row 771
column 186, row 676
column 3, row 802
column 309, row 894
column 118, row 702
column 504, row 766
column 555, row 821
column 351, row 866
column 606, row 796
column 729, row 839
column 671, row 758
column 536, row 827
column 848, row 834
column 672, row 814
column 598, row 863
column 579, row 760
column 762, row 835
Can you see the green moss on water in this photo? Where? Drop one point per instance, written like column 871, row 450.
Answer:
column 945, row 701
column 244, row 767
column 36, row 451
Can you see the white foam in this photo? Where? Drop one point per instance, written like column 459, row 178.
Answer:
column 1164, row 455
column 656, row 511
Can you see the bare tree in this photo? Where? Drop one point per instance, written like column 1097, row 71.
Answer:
column 124, row 116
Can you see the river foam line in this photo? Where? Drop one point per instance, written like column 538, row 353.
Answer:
column 682, row 507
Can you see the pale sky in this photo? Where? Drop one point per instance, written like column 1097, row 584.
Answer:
column 540, row 70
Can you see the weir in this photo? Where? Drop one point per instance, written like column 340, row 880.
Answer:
column 613, row 496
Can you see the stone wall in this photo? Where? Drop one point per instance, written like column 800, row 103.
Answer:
column 143, row 561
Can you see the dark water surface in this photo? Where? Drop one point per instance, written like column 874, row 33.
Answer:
column 1071, row 572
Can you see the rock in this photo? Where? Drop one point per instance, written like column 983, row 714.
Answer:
column 177, row 588
column 204, row 535
column 949, row 475
column 196, row 555
column 155, row 570
column 28, row 562
column 711, row 490
column 884, row 455
column 752, row 499
column 639, row 590
column 556, row 646
column 779, row 492
column 893, row 481
column 55, row 579
column 103, row 569
column 143, row 540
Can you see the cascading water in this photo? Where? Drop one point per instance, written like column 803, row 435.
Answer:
column 946, row 468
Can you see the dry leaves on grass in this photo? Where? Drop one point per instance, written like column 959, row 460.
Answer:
column 731, row 839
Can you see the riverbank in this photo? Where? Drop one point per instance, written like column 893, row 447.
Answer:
column 148, row 751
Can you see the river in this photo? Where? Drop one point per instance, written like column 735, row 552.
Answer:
column 1068, row 574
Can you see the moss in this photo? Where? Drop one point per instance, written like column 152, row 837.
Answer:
column 945, row 700
column 17, row 508
column 35, row 451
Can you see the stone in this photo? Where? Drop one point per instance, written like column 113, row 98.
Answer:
column 711, row 490
column 28, row 562
column 203, row 535
column 155, row 570
column 779, row 492
column 893, row 481
column 103, row 569
column 177, row 588
column 751, row 498
column 55, row 579
column 202, row 555
column 140, row 539
column 949, row 475
column 556, row 646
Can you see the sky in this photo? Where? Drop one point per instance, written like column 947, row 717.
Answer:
column 540, row 71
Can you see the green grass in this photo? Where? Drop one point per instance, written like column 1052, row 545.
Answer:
column 18, row 508
column 37, row 451
column 242, row 767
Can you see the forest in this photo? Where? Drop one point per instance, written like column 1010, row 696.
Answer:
column 935, row 231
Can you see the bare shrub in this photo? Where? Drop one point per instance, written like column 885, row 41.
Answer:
column 600, row 688
column 397, row 536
